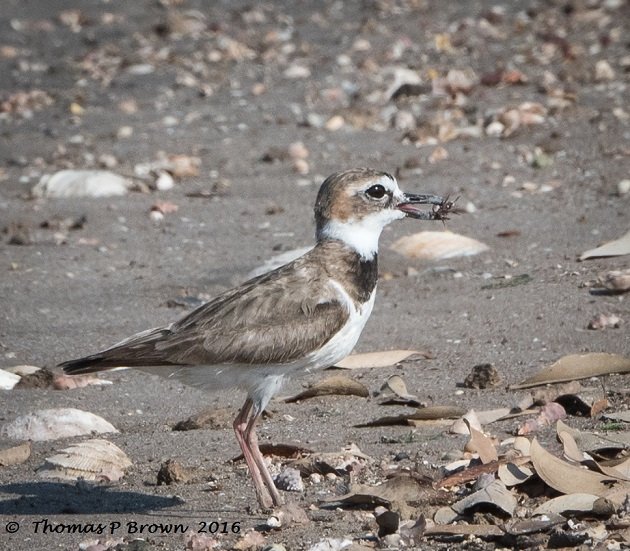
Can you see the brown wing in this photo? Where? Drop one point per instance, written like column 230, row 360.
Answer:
column 272, row 319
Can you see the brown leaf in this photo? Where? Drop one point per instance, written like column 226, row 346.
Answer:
column 570, row 448
column 421, row 415
column 492, row 415
column 618, row 247
column 571, row 503
column 396, row 386
column 577, row 366
column 619, row 416
column 566, row 478
column 383, row 358
column 481, row 444
column 336, row 384
column 478, row 530
column 593, row 443
column 15, row 455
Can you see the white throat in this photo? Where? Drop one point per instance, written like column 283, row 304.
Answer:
column 361, row 235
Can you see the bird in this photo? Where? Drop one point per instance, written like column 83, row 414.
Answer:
column 303, row 316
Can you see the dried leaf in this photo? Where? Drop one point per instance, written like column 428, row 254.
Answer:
column 15, row 455
column 437, row 245
column 481, row 444
column 462, row 426
column 396, row 385
column 384, row 358
column 478, row 530
column 566, row 478
column 618, row 247
column 90, row 460
column 577, row 366
column 619, row 416
column 571, row 504
column 492, row 415
column 495, row 494
column 570, row 448
column 334, row 385
column 420, row 416
column 533, row 526
column 51, row 424
column 592, row 443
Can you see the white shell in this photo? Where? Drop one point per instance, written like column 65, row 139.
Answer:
column 50, row 424
column 81, row 183
column 438, row 245
column 8, row 380
column 90, row 460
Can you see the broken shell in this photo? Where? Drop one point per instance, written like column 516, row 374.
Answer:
column 289, row 480
column 90, row 460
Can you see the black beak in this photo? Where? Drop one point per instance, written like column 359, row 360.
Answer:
column 410, row 206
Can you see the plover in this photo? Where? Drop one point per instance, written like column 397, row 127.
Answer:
column 305, row 315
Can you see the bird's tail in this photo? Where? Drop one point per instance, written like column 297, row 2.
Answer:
column 137, row 351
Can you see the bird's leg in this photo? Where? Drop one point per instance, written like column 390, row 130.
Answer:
column 252, row 441
column 243, row 428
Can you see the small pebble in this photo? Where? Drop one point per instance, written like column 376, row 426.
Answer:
column 623, row 187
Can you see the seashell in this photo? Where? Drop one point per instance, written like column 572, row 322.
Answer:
column 437, row 245
column 289, row 480
column 8, row 380
column 81, row 183
column 90, row 460
column 22, row 370
column 51, row 424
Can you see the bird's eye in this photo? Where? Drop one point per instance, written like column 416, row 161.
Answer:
column 376, row 192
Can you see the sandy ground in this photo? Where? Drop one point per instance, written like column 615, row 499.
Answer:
column 125, row 81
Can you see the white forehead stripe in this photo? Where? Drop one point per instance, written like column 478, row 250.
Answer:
column 389, row 184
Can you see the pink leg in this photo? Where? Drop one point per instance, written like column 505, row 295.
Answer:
column 252, row 440
column 243, row 430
